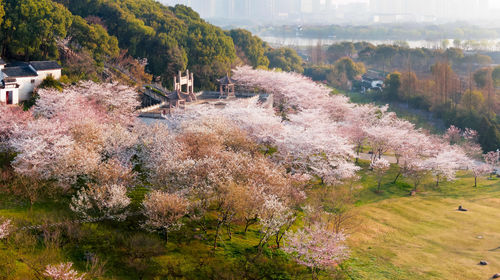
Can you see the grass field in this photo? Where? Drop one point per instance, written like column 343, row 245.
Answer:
column 425, row 237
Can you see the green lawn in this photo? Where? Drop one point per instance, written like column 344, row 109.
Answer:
column 425, row 237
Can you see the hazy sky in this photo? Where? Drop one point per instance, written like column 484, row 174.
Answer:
column 495, row 4
column 322, row 11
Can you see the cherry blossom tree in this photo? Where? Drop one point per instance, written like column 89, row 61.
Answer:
column 40, row 147
column 299, row 141
column 416, row 171
column 492, row 158
column 470, row 135
column 89, row 100
column 316, row 247
column 413, row 146
column 453, row 135
column 380, row 167
column 62, row 271
column 446, row 163
column 74, row 132
column 479, row 169
column 163, row 211
column 312, row 129
column 101, row 201
column 5, row 228
column 275, row 219
column 467, row 139
column 12, row 117
column 117, row 100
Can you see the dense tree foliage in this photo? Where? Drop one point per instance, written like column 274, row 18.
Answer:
column 341, row 74
column 94, row 38
column 285, row 59
column 251, row 49
column 31, row 28
column 461, row 101
column 85, row 35
column 399, row 56
column 172, row 39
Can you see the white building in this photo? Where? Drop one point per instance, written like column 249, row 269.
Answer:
column 18, row 82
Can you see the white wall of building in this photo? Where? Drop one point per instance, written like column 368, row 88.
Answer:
column 26, row 87
column 15, row 95
column 56, row 74
column 28, row 84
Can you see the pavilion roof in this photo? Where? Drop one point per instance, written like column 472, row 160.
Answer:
column 226, row 80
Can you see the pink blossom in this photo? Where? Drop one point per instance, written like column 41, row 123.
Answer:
column 164, row 211
column 12, row 117
column 453, row 134
column 316, row 247
column 5, row 228
column 40, row 146
column 492, row 158
column 446, row 163
column 62, row 271
column 107, row 201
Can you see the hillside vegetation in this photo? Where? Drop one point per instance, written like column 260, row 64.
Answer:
column 87, row 35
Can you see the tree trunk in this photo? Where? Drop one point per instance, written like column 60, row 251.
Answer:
column 358, row 151
column 229, row 233
column 249, row 222
column 475, row 181
column 397, row 177
column 378, row 187
column 314, row 273
column 216, row 234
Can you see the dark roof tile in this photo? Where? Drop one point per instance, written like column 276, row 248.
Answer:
column 19, row 71
column 45, row 65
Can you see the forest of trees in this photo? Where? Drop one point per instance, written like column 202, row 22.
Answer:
column 457, row 86
column 84, row 35
column 470, row 101
column 400, row 56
